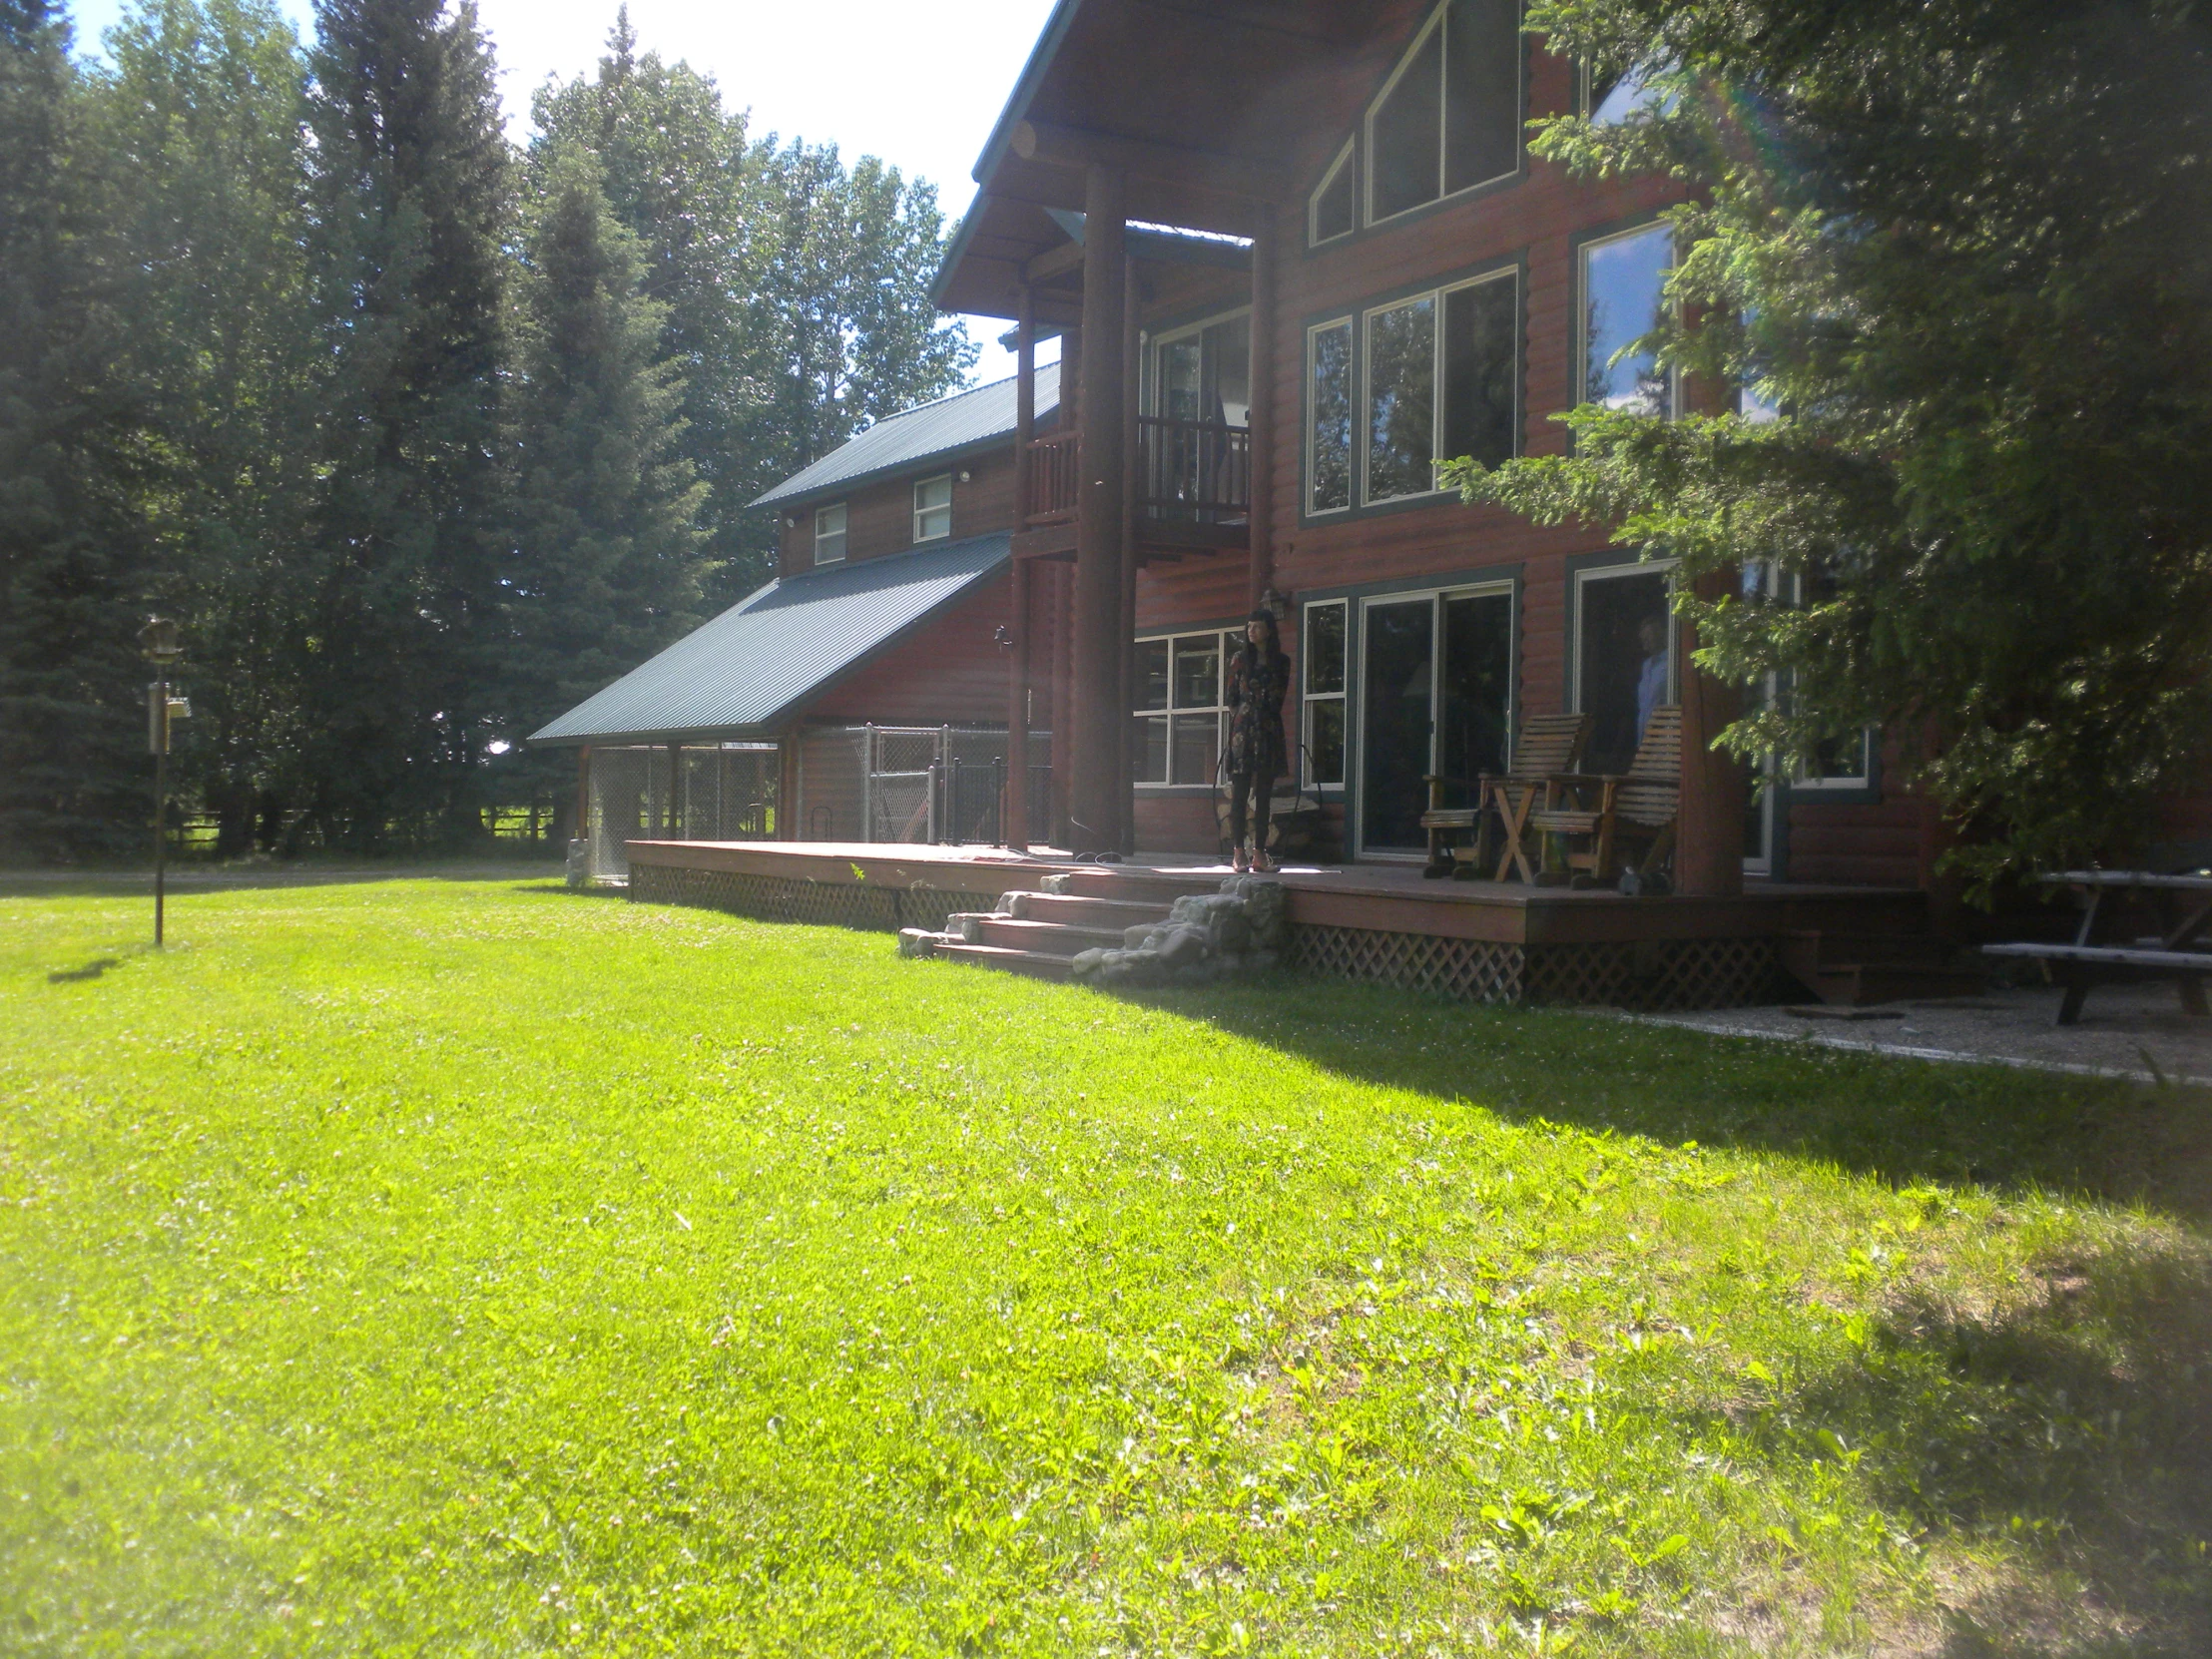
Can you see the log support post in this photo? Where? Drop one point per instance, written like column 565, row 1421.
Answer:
column 1709, row 828
column 1094, row 809
column 1261, row 522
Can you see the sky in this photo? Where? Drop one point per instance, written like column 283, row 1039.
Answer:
column 916, row 85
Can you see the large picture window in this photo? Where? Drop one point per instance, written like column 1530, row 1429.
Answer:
column 1624, row 282
column 1177, row 735
column 1328, row 417
column 1440, row 378
column 1451, row 118
column 1323, row 679
column 1402, row 401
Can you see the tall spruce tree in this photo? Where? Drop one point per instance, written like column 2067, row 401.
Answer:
column 606, row 557
column 1959, row 249
column 675, row 170
column 73, row 774
column 409, row 202
column 199, row 117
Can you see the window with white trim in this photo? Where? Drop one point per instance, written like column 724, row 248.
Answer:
column 1328, row 417
column 1440, row 378
column 829, row 533
column 1322, row 680
column 1450, row 118
column 934, row 508
column 1623, row 280
column 1624, row 656
column 1331, row 212
column 1177, row 732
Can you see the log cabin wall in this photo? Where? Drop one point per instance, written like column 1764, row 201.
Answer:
column 951, row 671
column 880, row 516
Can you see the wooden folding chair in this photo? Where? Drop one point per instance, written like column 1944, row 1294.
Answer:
column 1639, row 805
column 1547, row 745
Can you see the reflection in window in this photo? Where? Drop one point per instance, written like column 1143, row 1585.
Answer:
column 1614, row 101
column 1452, row 119
column 1176, row 738
column 1623, row 288
column 1402, row 401
column 1332, row 204
column 1323, row 684
column 1328, row 413
column 1481, row 368
column 1206, row 373
column 1624, row 661
column 1397, row 678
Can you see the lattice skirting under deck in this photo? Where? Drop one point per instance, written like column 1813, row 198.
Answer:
column 1653, row 975
column 778, row 898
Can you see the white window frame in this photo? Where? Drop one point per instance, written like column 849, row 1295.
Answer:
column 1358, row 794
column 1610, row 573
column 1580, row 321
column 1225, row 641
column 1308, row 696
column 1154, row 388
column 1349, row 324
column 1364, row 424
column 1365, row 209
column 921, row 512
column 1337, row 169
column 838, row 535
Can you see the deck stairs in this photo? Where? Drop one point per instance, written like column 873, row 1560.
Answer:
column 1040, row 935
column 1857, row 969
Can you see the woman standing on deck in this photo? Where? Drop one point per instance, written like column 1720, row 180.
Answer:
column 1259, row 678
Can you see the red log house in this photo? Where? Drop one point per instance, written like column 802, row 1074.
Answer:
column 1294, row 254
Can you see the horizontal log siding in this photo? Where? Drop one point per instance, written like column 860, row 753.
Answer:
column 949, row 671
column 880, row 518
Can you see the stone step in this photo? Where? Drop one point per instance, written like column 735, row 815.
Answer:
column 1104, row 915
column 1035, row 965
column 1051, row 937
column 1139, row 886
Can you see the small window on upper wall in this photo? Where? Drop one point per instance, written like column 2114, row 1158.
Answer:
column 1450, row 117
column 830, row 534
column 1329, row 214
column 934, row 508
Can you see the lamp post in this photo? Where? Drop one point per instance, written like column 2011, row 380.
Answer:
column 157, row 640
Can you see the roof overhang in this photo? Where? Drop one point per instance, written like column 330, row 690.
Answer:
column 1200, row 104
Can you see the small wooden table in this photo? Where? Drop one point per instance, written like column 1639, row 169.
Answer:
column 2094, row 958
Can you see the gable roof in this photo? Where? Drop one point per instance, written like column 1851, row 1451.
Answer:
column 949, row 426
column 747, row 673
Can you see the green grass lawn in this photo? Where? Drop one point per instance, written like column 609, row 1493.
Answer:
column 468, row 1266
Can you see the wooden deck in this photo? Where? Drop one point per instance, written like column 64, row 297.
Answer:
column 1386, row 898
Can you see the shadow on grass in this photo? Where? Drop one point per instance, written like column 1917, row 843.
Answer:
column 1902, row 1121
column 78, row 976
column 2074, row 1423
column 188, row 880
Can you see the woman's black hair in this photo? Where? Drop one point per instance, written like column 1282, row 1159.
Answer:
column 1275, row 630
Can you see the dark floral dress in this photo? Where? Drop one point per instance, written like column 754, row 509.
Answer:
column 1254, row 697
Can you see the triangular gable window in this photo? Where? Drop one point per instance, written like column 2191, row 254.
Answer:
column 1450, row 117
column 1332, row 206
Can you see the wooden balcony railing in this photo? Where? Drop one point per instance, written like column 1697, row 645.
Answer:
column 1053, row 465
column 1198, row 471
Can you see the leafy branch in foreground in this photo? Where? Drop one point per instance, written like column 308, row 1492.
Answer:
column 1955, row 251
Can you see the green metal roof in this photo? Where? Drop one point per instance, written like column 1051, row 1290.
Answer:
column 748, row 673
column 951, row 426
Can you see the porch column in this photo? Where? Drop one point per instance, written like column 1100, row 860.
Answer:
column 1261, row 522
column 1125, row 789
column 583, row 794
column 1709, row 827
column 1016, row 809
column 1092, row 805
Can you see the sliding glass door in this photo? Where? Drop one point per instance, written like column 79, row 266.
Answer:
column 1435, row 692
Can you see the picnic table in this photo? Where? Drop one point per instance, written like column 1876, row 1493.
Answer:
column 2095, row 957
